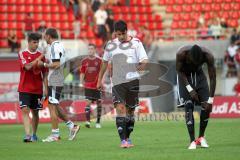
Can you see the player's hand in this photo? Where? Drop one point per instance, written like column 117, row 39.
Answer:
column 194, row 95
column 45, row 93
column 207, row 107
column 40, row 64
column 99, row 85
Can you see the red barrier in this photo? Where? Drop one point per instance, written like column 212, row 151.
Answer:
column 226, row 107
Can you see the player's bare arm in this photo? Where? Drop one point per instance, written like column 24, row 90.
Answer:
column 212, row 79
column 45, row 82
column 30, row 65
column 142, row 65
column 101, row 73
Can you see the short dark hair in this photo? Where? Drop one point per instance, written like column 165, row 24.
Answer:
column 196, row 52
column 52, row 32
column 91, row 44
column 34, row 36
column 120, row 26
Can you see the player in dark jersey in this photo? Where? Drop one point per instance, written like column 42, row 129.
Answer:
column 30, row 87
column 127, row 56
column 193, row 88
column 89, row 71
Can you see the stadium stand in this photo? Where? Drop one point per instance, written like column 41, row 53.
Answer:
column 182, row 16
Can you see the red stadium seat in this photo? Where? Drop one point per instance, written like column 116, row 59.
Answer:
column 151, row 26
column 46, row 9
column 71, row 18
column 216, row 7
column 29, row 2
column 20, row 2
column 169, row 2
column 3, row 2
column 3, row 8
column 90, row 34
column 3, row 34
column 46, row 2
column 3, row 43
column 64, row 26
column 236, row 6
column 11, row 2
column 29, row 9
column 176, row 17
column 181, row 2
column 158, row 18
column 189, row 1
column 169, row 9
column 37, row 2
column 55, row 9
column 21, row 9
column 187, row 8
column 11, row 9
column 227, row 7
column 143, row 18
column 199, row 1
column 162, row 2
column 11, row 17
column 39, row 17
column 4, row 25
column 150, row 18
column 235, row 15
column 46, row 17
column 12, row 25
column 209, row 1
column 57, row 25
column 37, row 8
column 3, row 17
column 207, row 7
column 177, row 8
column 55, row 17
column 20, row 25
column 64, row 17
column 197, row 8
column 175, row 25
column 158, row 26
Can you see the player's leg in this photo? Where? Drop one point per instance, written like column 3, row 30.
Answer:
column 97, row 97
column 89, row 97
column 186, row 101
column 73, row 129
column 99, row 113
column 35, row 121
column 25, row 101
column 52, row 106
column 131, row 103
column 88, row 113
column 203, row 92
column 118, row 94
column 35, row 106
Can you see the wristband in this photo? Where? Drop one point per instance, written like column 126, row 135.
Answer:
column 189, row 88
column 45, row 65
column 210, row 100
column 80, row 85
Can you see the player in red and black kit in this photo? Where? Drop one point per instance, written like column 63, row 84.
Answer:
column 89, row 70
column 31, row 85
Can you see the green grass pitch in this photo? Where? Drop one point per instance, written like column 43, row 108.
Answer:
column 157, row 140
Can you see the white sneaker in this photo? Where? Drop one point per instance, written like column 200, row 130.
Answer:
column 51, row 138
column 203, row 142
column 193, row 145
column 73, row 132
column 98, row 125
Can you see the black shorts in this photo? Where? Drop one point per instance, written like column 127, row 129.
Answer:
column 92, row 94
column 33, row 101
column 54, row 94
column 198, row 82
column 126, row 93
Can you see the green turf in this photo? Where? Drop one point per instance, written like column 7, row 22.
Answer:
column 153, row 141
